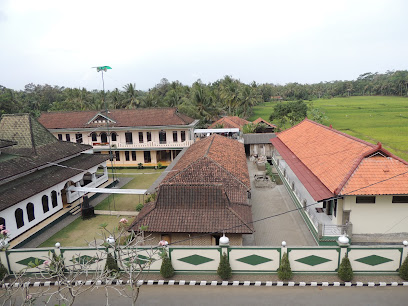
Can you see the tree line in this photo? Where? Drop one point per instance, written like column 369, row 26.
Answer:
column 227, row 96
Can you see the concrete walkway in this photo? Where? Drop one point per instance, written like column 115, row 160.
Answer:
column 289, row 227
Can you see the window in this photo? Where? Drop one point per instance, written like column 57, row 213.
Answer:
column 149, row 136
column 117, row 155
column 162, row 137
column 335, row 207
column 127, row 155
column 3, row 222
column 94, row 137
column 59, row 136
column 19, row 217
column 54, row 199
column 174, row 136
column 104, row 137
column 67, row 137
column 78, row 138
column 147, row 157
column 114, row 135
column 44, row 201
column 133, row 155
column 128, row 137
column 183, row 136
column 140, row 137
column 365, row 200
column 400, row 199
column 30, row 212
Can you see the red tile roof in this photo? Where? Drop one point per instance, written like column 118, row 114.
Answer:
column 194, row 208
column 215, row 159
column 120, row 117
column 263, row 121
column 338, row 163
column 230, row 122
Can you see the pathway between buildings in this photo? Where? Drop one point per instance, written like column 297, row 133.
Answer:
column 40, row 238
column 289, row 227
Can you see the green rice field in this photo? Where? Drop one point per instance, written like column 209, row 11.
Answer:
column 374, row 119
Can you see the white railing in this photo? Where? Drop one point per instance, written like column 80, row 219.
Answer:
column 75, row 195
column 334, row 230
column 153, row 144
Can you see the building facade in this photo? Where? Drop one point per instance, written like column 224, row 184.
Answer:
column 134, row 136
column 343, row 184
column 36, row 171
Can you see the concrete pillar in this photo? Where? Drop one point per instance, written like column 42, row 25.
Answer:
column 343, row 242
column 404, row 250
column 320, row 230
column 284, row 249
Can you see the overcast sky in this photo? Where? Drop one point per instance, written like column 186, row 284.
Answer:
column 57, row 42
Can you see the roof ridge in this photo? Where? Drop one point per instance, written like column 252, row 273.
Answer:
column 240, row 218
column 357, row 163
column 233, row 176
column 330, row 129
column 209, row 146
column 300, row 161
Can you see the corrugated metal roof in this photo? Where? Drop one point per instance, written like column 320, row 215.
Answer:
column 258, row 138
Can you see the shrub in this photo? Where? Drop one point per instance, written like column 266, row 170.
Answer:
column 284, row 271
column 224, row 270
column 3, row 272
column 345, row 272
column 166, row 269
column 140, row 166
column 139, row 206
column 111, row 265
column 56, row 266
column 403, row 270
column 159, row 165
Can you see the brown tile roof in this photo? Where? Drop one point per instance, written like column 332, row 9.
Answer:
column 215, row 159
column 263, row 121
column 230, row 122
column 20, row 189
column 331, row 161
column 119, row 117
column 35, row 147
column 194, row 208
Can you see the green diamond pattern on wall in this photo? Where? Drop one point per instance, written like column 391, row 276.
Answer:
column 254, row 260
column 195, row 259
column 373, row 260
column 26, row 261
column 85, row 259
column 313, row 260
column 140, row 259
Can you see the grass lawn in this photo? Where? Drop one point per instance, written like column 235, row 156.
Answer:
column 142, row 179
column 374, row 119
column 81, row 232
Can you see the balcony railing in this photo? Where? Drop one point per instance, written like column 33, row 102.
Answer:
column 152, row 144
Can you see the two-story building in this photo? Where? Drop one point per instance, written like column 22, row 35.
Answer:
column 147, row 135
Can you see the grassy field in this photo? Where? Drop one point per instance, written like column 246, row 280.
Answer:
column 81, row 232
column 142, row 179
column 374, row 119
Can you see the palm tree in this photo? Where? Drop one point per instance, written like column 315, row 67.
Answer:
column 131, row 96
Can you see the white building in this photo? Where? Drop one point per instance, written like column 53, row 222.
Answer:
column 146, row 135
column 35, row 171
column 360, row 188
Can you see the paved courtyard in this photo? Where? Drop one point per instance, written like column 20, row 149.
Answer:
column 289, row 227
